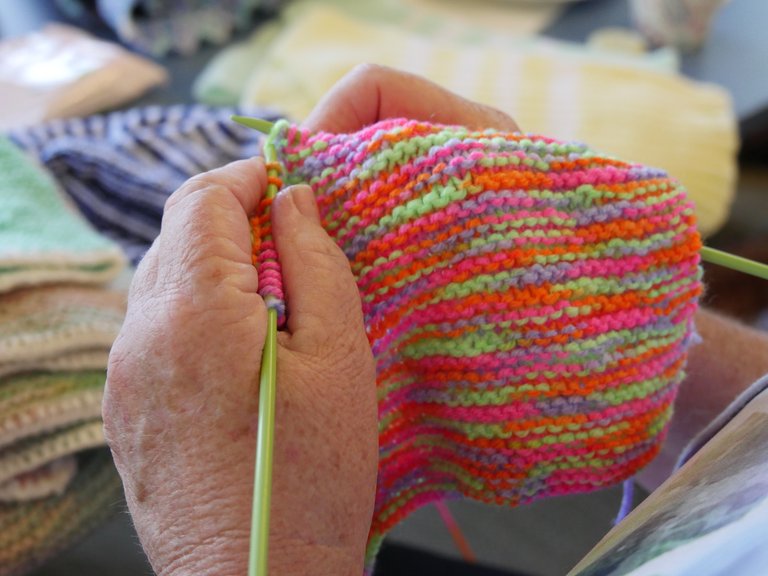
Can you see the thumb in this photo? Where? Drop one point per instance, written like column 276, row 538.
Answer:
column 322, row 299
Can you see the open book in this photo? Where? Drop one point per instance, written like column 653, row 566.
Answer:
column 711, row 517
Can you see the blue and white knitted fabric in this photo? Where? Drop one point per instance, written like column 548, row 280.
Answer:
column 120, row 168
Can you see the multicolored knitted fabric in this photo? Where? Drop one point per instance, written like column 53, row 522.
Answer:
column 529, row 303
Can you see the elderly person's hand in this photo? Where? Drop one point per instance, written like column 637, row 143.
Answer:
column 181, row 405
column 180, row 408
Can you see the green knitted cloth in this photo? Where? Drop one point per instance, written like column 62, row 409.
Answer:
column 42, row 239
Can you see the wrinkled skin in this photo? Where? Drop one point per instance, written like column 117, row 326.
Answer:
column 181, row 401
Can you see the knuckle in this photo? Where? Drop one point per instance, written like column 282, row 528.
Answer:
column 146, row 275
column 370, row 73
column 201, row 192
column 369, row 69
column 193, row 188
column 178, row 196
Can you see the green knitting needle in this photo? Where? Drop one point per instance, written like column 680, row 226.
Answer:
column 265, row 440
column 734, row 262
column 263, row 126
column 262, row 483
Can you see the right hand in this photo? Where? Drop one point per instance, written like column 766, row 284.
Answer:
column 370, row 93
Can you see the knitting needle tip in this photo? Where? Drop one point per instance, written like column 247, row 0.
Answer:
column 263, row 126
column 757, row 269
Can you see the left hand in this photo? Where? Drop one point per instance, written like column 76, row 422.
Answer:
column 181, row 401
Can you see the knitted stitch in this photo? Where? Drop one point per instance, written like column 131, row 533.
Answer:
column 68, row 361
column 48, row 480
column 67, row 329
column 32, row 532
column 55, row 324
column 28, row 455
column 264, row 251
column 529, row 303
column 40, row 403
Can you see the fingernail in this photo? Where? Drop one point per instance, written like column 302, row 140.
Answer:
column 304, row 200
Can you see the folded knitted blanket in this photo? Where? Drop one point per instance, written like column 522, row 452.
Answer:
column 226, row 77
column 58, row 327
column 34, row 531
column 41, row 238
column 54, row 343
column 57, row 323
column 51, row 420
column 49, row 479
column 529, row 303
column 44, row 416
column 36, row 453
column 120, row 168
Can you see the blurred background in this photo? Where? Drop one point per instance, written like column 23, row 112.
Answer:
column 680, row 85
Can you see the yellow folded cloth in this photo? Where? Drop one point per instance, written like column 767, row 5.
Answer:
column 621, row 106
column 222, row 80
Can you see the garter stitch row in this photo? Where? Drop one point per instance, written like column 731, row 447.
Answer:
column 529, row 303
column 263, row 250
